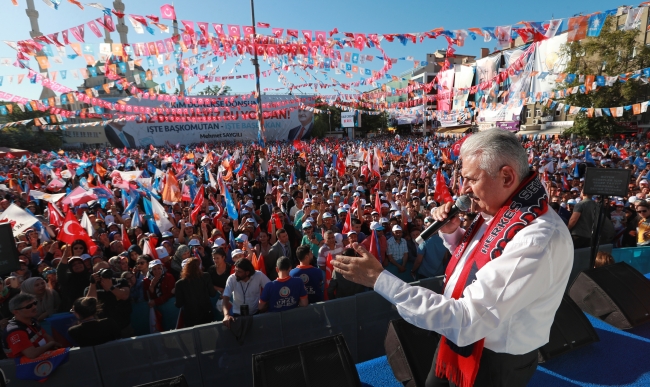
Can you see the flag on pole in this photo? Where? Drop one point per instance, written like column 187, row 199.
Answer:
column 72, row 230
column 441, row 193
column 329, row 270
column 19, row 219
column 197, row 204
column 126, row 242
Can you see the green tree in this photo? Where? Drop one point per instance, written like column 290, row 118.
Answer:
column 612, row 53
column 25, row 137
column 214, row 90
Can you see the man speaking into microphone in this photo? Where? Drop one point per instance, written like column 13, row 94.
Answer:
column 504, row 281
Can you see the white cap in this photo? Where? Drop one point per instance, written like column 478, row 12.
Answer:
column 219, row 242
column 109, row 219
column 376, row 226
column 306, row 225
column 194, row 242
column 162, row 252
column 237, row 252
column 327, row 215
column 242, row 238
column 155, row 262
column 396, row 228
column 189, row 224
column 383, row 220
column 397, row 213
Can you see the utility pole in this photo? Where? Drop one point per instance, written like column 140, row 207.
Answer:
column 261, row 132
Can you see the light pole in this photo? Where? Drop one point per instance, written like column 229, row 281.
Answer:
column 329, row 118
column 261, row 135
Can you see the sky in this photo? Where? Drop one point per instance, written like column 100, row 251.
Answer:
column 378, row 16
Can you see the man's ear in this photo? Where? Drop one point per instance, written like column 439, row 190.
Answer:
column 508, row 176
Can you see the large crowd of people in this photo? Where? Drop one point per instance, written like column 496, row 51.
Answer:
column 253, row 229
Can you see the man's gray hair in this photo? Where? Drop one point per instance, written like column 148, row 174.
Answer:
column 494, row 149
column 20, row 299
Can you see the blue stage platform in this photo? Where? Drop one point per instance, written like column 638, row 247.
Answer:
column 621, row 358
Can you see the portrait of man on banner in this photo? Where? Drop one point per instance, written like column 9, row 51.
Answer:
column 117, row 137
column 302, row 131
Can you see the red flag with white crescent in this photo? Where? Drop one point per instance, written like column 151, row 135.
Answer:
column 329, row 270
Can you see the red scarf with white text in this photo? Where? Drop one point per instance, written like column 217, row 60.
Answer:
column 460, row 364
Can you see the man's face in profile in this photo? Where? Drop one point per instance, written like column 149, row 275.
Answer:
column 305, row 117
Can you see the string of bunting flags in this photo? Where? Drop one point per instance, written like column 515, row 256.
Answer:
column 319, row 49
column 637, row 108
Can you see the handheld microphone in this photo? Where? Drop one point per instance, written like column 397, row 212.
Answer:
column 463, row 203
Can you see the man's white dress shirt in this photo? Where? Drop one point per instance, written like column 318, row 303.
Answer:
column 513, row 301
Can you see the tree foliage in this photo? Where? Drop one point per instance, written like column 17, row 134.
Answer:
column 24, row 137
column 612, row 53
column 214, row 90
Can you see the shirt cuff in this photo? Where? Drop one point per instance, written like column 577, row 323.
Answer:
column 452, row 240
column 387, row 285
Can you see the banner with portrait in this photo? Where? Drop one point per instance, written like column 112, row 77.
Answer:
column 463, row 80
column 486, row 71
column 217, row 118
column 549, row 63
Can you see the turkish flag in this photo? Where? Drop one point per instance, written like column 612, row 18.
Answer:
column 168, row 12
column 441, row 194
column 54, row 215
column 329, row 270
column 126, row 242
column 347, row 226
column 198, row 204
column 72, row 230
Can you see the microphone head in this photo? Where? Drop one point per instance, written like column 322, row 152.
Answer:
column 463, row 203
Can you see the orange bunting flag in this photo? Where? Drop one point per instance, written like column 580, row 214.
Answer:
column 259, row 264
column 171, row 193
column 75, row 2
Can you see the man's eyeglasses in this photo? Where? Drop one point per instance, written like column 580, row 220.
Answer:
column 642, row 211
column 28, row 306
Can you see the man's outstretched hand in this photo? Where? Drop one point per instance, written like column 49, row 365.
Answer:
column 363, row 270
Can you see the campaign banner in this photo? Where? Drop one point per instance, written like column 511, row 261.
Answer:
column 549, row 63
column 347, row 119
column 218, row 118
column 519, row 82
column 512, row 126
column 445, row 90
column 502, row 112
column 411, row 116
column 463, row 80
column 486, row 71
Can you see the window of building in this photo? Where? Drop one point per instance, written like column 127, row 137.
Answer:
column 528, row 114
column 558, row 112
column 538, row 113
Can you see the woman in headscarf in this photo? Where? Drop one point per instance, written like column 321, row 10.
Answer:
column 48, row 300
column 134, row 252
column 158, row 288
column 182, row 253
column 72, row 277
column 116, row 266
column 193, row 293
